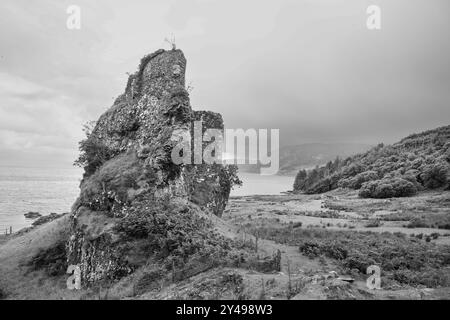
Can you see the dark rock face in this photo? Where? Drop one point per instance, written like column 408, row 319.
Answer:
column 127, row 159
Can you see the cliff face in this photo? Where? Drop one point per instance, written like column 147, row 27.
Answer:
column 127, row 161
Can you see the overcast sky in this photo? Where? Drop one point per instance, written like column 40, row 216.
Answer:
column 308, row 67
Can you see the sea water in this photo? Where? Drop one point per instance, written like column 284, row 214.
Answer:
column 47, row 190
column 43, row 190
column 254, row 183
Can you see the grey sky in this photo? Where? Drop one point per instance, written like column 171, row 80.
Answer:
column 310, row 68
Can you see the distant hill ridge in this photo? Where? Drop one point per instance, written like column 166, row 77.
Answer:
column 308, row 155
column 418, row 162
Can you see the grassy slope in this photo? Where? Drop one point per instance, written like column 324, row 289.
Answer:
column 20, row 248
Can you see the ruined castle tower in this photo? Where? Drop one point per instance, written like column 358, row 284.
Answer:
column 127, row 158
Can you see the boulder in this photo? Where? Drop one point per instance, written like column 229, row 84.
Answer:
column 32, row 215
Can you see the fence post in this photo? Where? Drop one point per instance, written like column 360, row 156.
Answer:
column 289, row 278
column 173, row 270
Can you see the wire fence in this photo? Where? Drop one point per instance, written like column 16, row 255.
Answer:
column 5, row 229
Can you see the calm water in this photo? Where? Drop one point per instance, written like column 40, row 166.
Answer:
column 44, row 190
column 257, row 184
column 47, row 190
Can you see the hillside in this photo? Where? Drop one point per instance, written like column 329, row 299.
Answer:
column 417, row 162
column 303, row 156
column 309, row 155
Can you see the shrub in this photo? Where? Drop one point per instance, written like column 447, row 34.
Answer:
column 3, row 294
column 387, row 188
column 110, row 186
column 417, row 223
column 435, row 175
column 297, row 225
column 375, row 223
column 311, row 249
column 93, row 154
column 430, row 278
column 357, row 181
column 315, row 249
column 358, row 261
column 174, row 230
column 368, row 189
column 412, row 176
column 51, row 260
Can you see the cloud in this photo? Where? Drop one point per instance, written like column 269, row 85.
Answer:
column 36, row 119
column 307, row 67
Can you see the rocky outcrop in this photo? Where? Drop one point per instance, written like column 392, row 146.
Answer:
column 32, row 215
column 127, row 160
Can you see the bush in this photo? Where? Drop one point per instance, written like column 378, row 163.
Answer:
column 52, row 260
column 435, row 175
column 358, row 261
column 93, row 154
column 113, row 184
column 375, row 223
column 387, row 188
column 430, row 278
column 171, row 230
column 417, row 223
column 357, row 181
column 3, row 294
column 297, row 225
column 314, row 249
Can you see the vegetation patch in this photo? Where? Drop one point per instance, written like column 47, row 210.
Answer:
column 3, row 294
column 115, row 184
column 179, row 241
column 387, row 188
column 430, row 221
column 406, row 260
column 375, row 223
column 93, row 152
column 52, row 260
